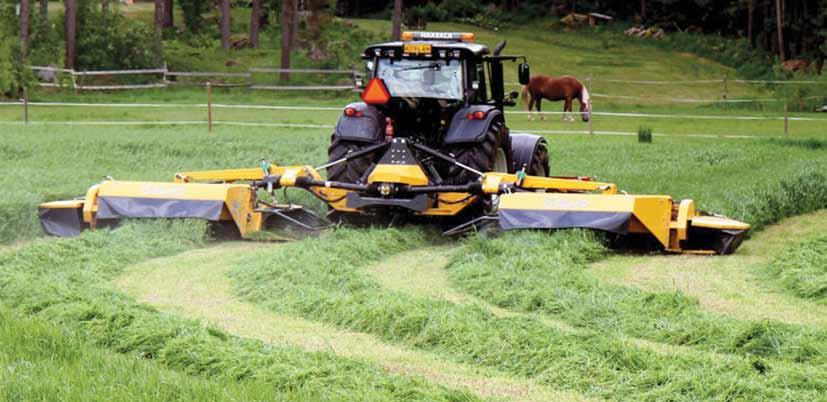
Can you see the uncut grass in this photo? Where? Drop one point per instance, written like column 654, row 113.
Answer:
column 322, row 279
column 66, row 283
column 41, row 361
column 802, row 269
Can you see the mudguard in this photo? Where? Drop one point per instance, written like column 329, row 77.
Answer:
column 463, row 130
column 524, row 147
column 366, row 127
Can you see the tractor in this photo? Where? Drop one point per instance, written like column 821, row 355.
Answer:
column 428, row 142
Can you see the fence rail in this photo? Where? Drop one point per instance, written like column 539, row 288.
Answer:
column 165, row 74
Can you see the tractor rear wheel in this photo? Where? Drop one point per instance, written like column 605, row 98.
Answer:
column 493, row 154
column 353, row 170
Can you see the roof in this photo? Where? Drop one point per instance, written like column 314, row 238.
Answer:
column 475, row 48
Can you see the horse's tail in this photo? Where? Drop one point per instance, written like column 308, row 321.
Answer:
column 524, row 96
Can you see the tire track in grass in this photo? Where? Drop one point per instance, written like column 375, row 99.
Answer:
column 727, row 284
column 195, row 285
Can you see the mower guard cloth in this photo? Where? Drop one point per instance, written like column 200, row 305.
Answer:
column 62, row 218
column 615, row 222
column 614, row 213
column 136, row 207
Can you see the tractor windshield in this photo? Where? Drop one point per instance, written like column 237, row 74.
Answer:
column 441, row 79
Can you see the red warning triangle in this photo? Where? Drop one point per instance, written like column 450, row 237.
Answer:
column 376, row 93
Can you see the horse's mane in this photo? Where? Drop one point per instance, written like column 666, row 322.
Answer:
column 584, row 95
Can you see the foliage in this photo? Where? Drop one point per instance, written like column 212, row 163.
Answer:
column 193, row 11
column 802, row 269
column 110, row 41
column 644, row 134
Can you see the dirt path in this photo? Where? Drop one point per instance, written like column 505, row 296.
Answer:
column 195, row 285
column 727, row 285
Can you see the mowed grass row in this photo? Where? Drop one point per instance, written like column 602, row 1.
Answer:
column 323, row 279
column 802, row 269
column 548, row 275
column 42, row 361
column 66, row 283
column 46, row 163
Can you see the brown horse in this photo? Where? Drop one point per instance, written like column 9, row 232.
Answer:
column 564, row 88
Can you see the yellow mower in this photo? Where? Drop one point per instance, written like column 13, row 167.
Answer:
column 428, row 142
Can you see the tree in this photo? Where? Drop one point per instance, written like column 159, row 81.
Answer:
column 71, row 16
column 643, row 10
column 288, row 17
column 779, row 20
column 24, row 28
column 168, row 10
column 159, row 15
column 397, row 20
column 255, row 22
column 750, row 21
column 44, row 12
column 104, row 6
column 225, row 24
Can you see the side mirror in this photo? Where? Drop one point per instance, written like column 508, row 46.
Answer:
column 523, row 74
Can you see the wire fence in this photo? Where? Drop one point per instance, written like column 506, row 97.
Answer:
column 207, row 110
column 54, row 77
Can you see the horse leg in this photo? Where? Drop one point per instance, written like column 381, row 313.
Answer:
column 539, row 108
column 568, row 106
column 530, row 106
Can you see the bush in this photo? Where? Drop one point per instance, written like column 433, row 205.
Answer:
column 644, row 135
column 110, row 41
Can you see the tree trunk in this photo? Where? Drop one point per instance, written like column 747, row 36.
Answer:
column 255, row 21
column 397, row 20
column 71, row 31
column 287, row 17
column 225, row 24
column 24, row 28
column 44, row 12
column 104, row 6
column 751, row 22
column 779, row 21
column 169, row 8
column 159, row 15
column 643, row 10
column 294, row 25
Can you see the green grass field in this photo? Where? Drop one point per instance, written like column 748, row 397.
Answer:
column 158, row 311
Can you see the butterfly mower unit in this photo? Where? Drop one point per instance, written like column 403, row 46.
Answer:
column 428, row 142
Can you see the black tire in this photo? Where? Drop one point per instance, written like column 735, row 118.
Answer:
column 481, row 156
column 531, row 151
column 353, row 170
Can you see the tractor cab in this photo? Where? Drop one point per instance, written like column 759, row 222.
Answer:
column 446, row 66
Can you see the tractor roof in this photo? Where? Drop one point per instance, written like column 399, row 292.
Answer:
column 437, row 40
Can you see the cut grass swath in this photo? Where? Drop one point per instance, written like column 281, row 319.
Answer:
column 802, row 269
column 322, row 279
column 63, row 281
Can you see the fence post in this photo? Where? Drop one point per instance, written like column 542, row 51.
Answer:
column 209, row 106
column 726, row 86
column 786, row 120
column 591, row 114
column 25, row 106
